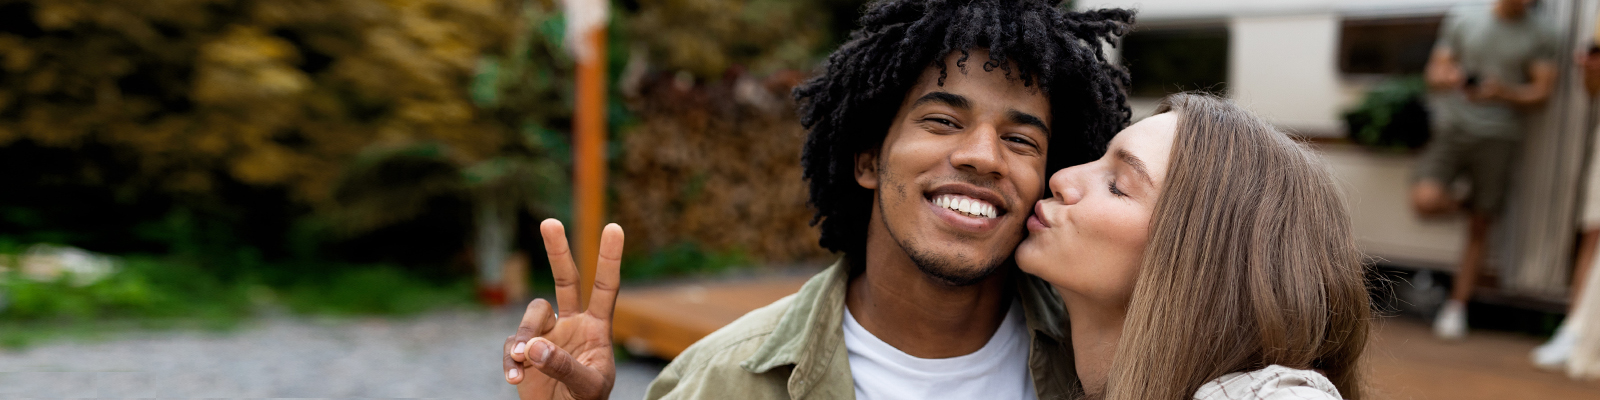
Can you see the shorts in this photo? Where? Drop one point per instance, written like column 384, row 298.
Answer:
column 1485, row 163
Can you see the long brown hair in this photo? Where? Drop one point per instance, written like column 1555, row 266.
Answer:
column 1250, row 262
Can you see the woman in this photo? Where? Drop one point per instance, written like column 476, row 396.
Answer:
column 1205, row 255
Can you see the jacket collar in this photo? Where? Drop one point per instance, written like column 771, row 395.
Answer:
column 815, row 319
column 810, row 334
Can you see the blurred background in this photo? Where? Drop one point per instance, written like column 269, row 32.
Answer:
column 313, row 198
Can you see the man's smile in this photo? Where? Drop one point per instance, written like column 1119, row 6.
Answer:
column 967, row 207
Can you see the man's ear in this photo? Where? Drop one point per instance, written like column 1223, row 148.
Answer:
column 867, row 169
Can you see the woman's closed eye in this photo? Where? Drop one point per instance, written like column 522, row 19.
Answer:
column 1115, row 191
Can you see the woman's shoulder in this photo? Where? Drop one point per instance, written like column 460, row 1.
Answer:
column 1274, row 382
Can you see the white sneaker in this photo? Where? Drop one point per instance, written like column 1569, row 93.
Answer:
column 1451, row 324
column 1553, row 354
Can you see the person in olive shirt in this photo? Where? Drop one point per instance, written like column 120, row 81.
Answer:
column 931, row 133
column 1491, row 66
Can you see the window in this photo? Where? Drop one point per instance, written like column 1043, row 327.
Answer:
column 1166, row 60
column 1388, row 46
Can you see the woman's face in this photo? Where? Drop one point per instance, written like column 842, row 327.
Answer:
column 1088, row 237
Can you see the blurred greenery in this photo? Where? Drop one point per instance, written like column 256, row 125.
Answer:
column 681, row 259
column 1392, row 116
column 149, row 292
column 156, row 292
column 343, row 156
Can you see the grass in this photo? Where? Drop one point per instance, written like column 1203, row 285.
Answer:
column 153, row 293
column 174, row 292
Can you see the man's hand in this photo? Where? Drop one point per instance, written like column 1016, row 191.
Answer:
column 567, row 354
column 1527, row 97
column 1487, row 91
column 1442, row 73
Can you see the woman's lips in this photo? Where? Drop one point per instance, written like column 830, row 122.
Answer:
column 1035, row 222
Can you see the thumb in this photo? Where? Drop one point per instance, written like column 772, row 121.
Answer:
column 583, row 382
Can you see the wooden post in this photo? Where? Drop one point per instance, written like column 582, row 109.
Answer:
column 588, row 156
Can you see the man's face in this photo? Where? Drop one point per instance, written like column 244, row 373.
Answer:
column 960, row 169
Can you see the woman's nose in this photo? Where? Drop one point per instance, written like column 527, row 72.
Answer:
column 1064, row 185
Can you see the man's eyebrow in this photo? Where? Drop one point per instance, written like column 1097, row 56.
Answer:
column 950, row 99
column 1018, row 117
column 1136, row 163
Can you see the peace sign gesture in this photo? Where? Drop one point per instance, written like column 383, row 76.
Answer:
column 567, row 354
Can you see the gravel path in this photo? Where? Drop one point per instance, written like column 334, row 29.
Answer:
column 442, row 355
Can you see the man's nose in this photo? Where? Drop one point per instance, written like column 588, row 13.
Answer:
column 979, row 152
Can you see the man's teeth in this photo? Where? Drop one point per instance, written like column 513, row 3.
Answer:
column 968, row 205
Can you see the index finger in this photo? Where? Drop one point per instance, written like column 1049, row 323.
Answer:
column 608, row 273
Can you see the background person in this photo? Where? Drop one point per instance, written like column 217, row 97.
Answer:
column 1491, row 66
column 1559, row 351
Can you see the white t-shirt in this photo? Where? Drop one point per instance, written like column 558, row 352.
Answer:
column 999, row 370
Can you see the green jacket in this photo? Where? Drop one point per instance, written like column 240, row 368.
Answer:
column 794, row 348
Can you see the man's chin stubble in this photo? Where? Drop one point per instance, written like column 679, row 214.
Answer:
column 951, row 272
column 955, row 272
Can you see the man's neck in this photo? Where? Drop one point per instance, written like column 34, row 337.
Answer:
column 920, row 315
column 1095, row 333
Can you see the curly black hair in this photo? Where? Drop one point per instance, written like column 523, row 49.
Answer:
column 847, row 109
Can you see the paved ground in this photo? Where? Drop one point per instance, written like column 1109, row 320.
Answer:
column 454, row 355
column 442, row 355
column 1406, row 362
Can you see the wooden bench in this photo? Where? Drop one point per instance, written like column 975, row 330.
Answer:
column 662, row 321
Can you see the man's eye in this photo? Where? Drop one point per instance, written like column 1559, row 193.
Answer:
column 1015, row 139
column 940, row 121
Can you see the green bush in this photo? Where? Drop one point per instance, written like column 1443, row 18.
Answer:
column 375, row 290
column 682, row 259
column 142, row 288
column 166, row 292
column 1392, row 116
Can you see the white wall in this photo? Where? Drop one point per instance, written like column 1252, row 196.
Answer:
column 1284, row 68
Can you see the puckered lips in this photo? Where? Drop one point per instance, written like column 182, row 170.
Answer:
column 966, row 207
column 1036, row 222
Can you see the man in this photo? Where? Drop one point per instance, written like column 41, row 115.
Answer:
column 1491, row 66
column 931, row 133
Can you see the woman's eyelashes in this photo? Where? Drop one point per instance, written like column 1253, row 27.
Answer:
column 1114, row 191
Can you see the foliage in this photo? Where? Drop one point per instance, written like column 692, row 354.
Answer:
column 223, row 130
column 681, row 259
column 1392, row 116
column 382, row 291
column 763, row 36
column 267, row 92
column 159, row 292
column 144, row 288
column 526, row 88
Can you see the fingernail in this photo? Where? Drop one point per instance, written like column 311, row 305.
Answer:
column 544, row 351
column 512, row 374
column 520, row 348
